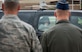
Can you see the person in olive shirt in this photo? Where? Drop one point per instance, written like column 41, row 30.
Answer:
column 64, row 36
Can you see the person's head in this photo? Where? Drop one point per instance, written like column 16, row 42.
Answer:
column 62, row 12
column 10, row 6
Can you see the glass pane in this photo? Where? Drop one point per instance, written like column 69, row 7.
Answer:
column 76, row 20
column 80, row 21
column 46, row 22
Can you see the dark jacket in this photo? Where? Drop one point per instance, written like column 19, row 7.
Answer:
column 63, row 37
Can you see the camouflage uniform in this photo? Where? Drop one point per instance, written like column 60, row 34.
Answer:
column 17, row 36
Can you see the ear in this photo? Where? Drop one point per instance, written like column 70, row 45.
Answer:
column 3, row 7
column 69, row 14
column 18, row 7
column 55, row 14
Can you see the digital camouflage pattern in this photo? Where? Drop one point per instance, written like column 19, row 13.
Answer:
column 17, row 36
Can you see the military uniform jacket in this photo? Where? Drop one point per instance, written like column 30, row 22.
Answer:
column 64, row 37
column 17, row 36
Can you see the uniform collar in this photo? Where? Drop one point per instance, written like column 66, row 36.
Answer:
column 10, row 16
column 62, row 21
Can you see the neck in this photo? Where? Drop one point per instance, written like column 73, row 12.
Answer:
column 10, row 12
column 63, row 18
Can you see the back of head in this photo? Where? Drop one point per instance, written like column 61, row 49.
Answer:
column 10, row 4
column 62, row 9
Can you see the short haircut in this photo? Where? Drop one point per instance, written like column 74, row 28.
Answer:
column 11, row 4
column 62, row 12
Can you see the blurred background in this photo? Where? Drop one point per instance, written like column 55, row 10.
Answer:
column 47, row 4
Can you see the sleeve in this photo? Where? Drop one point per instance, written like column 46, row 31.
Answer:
column 80, row 30
column 35, row 43
column 44, row 42
column 36, row 46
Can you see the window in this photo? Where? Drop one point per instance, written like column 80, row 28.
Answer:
column 77, row 20
column 80, row 21
column 46, row 22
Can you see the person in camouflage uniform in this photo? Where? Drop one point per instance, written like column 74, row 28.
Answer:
column 16, row 35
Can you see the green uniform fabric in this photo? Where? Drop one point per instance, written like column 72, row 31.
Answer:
column 17, row 36
column 63, row 37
